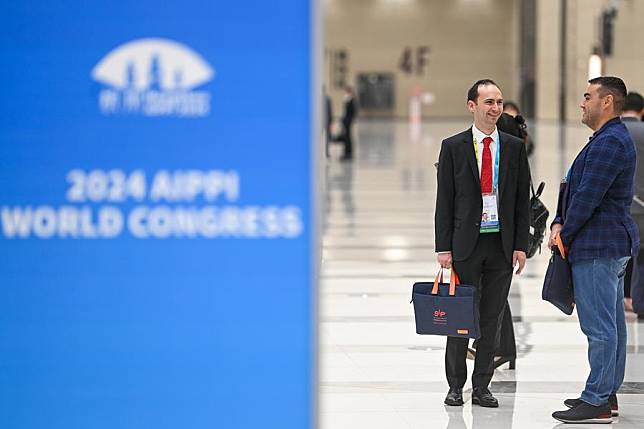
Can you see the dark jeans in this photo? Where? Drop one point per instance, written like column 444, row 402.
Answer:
column 490, row 272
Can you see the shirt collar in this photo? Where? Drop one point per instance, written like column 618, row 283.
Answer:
column 480, row 135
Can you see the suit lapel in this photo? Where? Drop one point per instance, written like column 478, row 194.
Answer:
column 504, row 162
column 471, row 156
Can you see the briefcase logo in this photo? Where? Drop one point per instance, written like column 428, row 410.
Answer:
column 440, row 317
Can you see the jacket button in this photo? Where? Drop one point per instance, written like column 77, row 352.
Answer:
column 477, row 224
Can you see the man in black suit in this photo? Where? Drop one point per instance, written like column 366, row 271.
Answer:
column 328, row 120
column 482, row 229
column 348, row 116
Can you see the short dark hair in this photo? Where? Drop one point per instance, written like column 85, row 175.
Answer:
column 473, row 92
column 611, row 85
column 511, row 105
column 634, row 102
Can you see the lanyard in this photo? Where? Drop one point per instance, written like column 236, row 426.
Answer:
column 495, row 169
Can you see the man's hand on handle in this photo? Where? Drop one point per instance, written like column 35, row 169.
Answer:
column 445, row 259
column 554, row 231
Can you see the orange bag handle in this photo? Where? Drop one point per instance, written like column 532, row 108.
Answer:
column 453, row 281
column 560, row 245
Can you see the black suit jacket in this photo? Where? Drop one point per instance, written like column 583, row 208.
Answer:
column 459, row 202
column 349, row 113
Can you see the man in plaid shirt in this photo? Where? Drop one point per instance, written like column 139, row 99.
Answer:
column 594, row 223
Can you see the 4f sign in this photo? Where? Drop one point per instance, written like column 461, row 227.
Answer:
column 153, row 77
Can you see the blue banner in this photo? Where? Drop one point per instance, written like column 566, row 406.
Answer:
column 156, row 215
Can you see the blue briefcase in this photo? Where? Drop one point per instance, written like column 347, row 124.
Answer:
column 557, row 284
column 448, row 309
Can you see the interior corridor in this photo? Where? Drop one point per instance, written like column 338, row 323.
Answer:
column 378, row 239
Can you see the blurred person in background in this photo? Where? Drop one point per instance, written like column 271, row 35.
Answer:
column 349, row 114
column 513, row 123
column 511, row 108
column 594, row 223
column 328, row 119
column 634, row 279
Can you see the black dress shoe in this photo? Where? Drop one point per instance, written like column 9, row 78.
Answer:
column 484, row 398
column 500, row 360
column 454, row 397
column 612, row 402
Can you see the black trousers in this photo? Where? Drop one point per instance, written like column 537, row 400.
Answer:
column 348, row 141
column 507, row 342
column 327, row 139
column 634, row 263
column 491, row 273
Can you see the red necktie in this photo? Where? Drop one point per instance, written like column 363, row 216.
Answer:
column 486, row 167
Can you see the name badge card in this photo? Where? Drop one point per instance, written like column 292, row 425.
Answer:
column 490, row 214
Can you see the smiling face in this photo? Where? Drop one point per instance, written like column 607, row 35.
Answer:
column 592, row 107
column 487, row 108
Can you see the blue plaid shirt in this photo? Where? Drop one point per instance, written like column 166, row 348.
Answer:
column 597, row 221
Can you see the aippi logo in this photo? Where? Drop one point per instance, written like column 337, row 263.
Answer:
column 153, row 77
column 439, row 313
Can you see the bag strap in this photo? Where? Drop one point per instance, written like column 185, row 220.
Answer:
column 539, row 189
column 453, row 281
column 560, row 246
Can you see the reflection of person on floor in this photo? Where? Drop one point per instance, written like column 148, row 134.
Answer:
column 349, row 114
column 483, row 418
column 481, row 167
column 455, row 418
column 634, row 280
column 593, row 221
column 339, row 181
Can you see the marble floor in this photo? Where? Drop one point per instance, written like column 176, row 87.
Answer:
column 378, row 239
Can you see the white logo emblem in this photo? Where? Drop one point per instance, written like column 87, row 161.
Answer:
column 153, row 77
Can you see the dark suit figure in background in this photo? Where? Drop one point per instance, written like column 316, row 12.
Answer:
column 348, row 116
column 634, row 280
column 481, row 170
column 328, row 120
column 597, row 228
